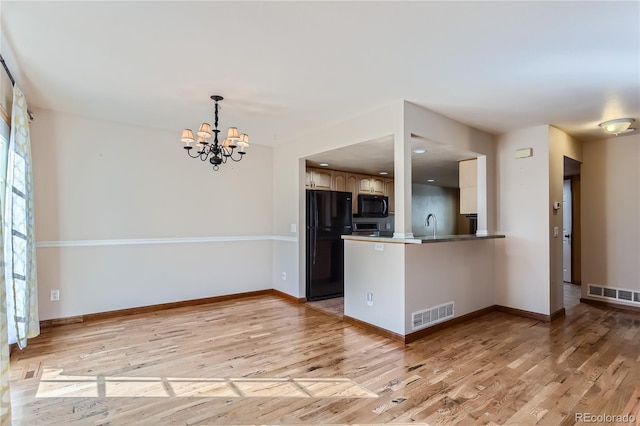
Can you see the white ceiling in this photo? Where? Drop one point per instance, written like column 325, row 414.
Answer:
column 286, row 68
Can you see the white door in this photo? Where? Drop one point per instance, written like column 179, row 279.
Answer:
column 566, row 231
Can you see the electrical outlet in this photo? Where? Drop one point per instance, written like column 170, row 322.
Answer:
column 369, row 299
column 378, row 247
column 55, row 295
column 284, row 276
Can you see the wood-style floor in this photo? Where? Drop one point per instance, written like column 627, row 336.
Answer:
column 266, row 361
column 333, row 306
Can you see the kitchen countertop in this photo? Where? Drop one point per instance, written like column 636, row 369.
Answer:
column 421, row 239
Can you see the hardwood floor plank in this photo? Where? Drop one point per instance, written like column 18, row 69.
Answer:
column 263, row 360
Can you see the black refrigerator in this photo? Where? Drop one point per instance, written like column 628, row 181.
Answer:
column 328, row 217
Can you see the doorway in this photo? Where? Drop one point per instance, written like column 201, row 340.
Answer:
column 571, row 236
column 566, row 231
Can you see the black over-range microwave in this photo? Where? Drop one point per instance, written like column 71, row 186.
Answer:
column 373, row 205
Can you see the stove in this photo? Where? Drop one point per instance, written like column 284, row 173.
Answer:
column 367, row 229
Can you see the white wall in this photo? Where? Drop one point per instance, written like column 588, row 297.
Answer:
column 397, row 120
column 560, row 145
column 406, row 278
column 434, row 276
column 97, row 180
column 610, row 208
column 288, row 183
column 381, row 273
column 522, row 258
column 444, row 130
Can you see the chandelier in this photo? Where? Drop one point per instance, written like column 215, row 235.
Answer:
column 217, row 153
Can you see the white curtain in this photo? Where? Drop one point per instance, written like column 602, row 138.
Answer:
column 19, row 234
column 5, row 392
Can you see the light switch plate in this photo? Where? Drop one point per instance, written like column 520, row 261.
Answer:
column 294, row 228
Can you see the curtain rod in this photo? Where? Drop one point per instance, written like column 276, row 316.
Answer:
column 4, row 64
column 13, row 82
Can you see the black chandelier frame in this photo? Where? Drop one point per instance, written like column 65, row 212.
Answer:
column 216, row 152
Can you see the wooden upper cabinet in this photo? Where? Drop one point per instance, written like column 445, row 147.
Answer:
column 468, row 173
column 339, row 181
column 364, row 184
column 352, row 187
column 390, row 191
column 377, row 185
column 335, row 180
column 319, row 179
column 468, row 200
column 468, row 182
column 370, row 185
column 308, row 179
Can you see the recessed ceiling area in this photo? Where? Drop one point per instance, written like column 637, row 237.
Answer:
column 437, row 166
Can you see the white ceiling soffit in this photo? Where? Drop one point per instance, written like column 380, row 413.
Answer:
column 287, row 67
column 437, row 166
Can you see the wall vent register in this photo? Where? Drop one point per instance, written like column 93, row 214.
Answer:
column 431, row 316
column 609, row 293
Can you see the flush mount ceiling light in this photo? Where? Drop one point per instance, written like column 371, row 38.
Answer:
column 324, row 164
column 384, row 173
column 217, row 153
column 419, row 151
column 618, row 126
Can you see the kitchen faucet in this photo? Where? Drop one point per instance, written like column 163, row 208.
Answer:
column 435, row 223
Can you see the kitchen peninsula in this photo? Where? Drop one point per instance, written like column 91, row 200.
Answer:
column 401, row 287
column 404, row 287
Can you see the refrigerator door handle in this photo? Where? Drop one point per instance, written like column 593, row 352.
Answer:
column 315, row 228
column 315, row 243
column 315, row 210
